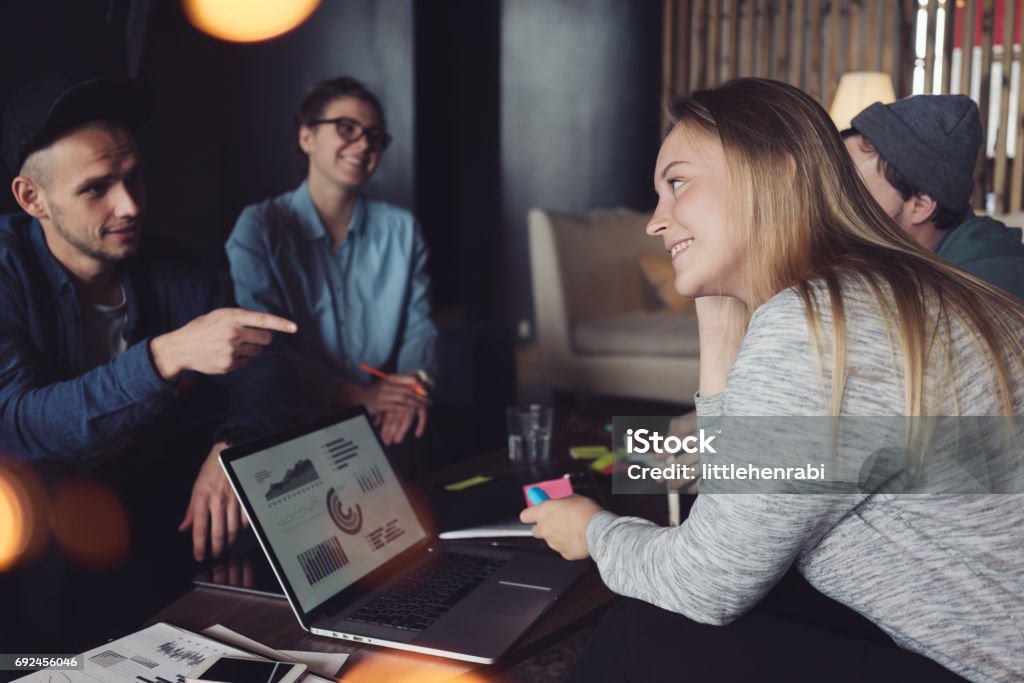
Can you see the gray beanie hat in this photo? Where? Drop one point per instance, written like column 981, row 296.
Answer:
column 932, row 140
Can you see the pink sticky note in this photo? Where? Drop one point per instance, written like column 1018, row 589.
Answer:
column 555, row 488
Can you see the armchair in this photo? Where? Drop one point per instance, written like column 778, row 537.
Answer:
column 598, row 329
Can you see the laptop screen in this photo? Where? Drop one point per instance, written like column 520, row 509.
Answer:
column 330, row 506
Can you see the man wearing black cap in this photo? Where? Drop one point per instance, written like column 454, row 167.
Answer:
column 106, row 340
column 917, row 157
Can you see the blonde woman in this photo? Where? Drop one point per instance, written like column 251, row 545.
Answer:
column 813, row 303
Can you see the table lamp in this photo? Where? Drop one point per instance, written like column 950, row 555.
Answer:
column 858, row 90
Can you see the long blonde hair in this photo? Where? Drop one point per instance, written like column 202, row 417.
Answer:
column 807, row 217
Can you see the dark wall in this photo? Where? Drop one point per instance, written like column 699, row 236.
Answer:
column 580, row 88
column 85, row 38
column 495, row 107
column 458, row 188
column 222, row 134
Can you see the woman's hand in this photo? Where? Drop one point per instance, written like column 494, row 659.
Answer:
column 395, row 403
column 563, row 524
column 213, row 512
column 395, row 392
column 394, row 423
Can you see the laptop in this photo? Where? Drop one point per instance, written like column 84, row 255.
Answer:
column 357, row 560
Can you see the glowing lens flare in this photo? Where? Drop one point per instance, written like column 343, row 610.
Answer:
column 247, row 21
column 408, row 667
column 90, row 524
column 16, row 520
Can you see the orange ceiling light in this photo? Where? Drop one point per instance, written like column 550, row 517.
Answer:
column 247, row 21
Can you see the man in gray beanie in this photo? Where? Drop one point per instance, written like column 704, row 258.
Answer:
column 916, row 157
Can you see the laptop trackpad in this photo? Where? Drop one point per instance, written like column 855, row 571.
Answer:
column 509, row 600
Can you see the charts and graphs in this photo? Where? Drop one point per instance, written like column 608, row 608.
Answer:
column 348, row 519
column 340, row 452
column 381, row 536
column 370, row 479
column 159, row 654
column 109, row 658
column 295, row 481
column 179, row 652
column 322, row 560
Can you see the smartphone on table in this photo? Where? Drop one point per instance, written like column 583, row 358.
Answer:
column 241, row 670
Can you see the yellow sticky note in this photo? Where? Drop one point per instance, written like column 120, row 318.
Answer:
column 602, row 462
column 588, row 452
column 466, row 483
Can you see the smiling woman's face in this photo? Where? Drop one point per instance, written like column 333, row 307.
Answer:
column 692, row 216
column 345, row 164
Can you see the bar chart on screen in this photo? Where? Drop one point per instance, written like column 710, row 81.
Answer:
column 370, row 479
column 322, row 560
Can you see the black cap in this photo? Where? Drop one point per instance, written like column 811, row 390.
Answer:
column 932, row 140
column 47, row 107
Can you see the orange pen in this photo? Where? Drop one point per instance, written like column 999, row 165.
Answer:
column 383, row 375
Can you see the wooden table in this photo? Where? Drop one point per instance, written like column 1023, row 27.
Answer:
column 272, row 622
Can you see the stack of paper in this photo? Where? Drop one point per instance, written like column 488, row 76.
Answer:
column 164, row 653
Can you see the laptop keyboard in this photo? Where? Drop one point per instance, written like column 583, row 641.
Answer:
column 424, row 596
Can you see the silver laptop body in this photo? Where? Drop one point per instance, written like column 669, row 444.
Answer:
column 357, row 559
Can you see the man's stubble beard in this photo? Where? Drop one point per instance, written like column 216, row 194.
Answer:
column 92, row 251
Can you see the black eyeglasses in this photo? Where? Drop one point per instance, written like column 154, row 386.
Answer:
column 351, row 130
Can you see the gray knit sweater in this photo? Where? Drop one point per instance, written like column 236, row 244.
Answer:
column 942, row 574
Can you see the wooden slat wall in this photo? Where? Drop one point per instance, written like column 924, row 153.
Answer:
column 833, row 71
column 1017, row 176
column 966, row 55
column 872, row 45
column 947, row 42
column 813, row 76
column 810, row 43
column 982, row 176
column 796, row 42
column 999, row 177
column 906, row 11
column 929, row 51
column 733, row 55
column 890, row 25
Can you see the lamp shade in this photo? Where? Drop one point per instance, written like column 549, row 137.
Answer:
column 247, row 21
column 857, row 91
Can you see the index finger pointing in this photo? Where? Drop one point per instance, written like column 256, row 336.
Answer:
column 265, row 321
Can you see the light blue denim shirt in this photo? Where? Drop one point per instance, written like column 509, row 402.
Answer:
column 367, row 301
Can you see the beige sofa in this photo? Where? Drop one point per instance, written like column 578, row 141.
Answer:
column 598, row 326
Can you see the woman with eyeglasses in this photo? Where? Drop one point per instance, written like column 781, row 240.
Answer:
column 349, row 270
column 822, row 318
